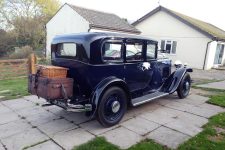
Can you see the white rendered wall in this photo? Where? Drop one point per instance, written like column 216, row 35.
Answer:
column 191, row 44
column 66, row 21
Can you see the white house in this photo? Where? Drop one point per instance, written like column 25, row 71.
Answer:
column 73, row 19
column 198, row 43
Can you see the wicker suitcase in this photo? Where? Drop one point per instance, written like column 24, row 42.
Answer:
column 52, row 71
column 51, row 88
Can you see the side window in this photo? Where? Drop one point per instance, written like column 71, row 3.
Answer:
column 67, row 49
column 112, row 52
column 169, row 46
column 151, row 51
column 134, row 51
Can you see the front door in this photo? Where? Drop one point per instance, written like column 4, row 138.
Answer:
column 219, row 54
column 138, row 73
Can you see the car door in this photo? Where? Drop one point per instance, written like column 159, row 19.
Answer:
column 137, row 71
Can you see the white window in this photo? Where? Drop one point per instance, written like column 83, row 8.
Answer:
column 169, row 46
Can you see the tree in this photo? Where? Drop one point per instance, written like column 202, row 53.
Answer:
column 26, row 19
column 6, row 42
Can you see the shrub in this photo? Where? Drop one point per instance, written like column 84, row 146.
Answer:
column 21, row 53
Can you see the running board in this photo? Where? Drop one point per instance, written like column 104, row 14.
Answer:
column 147, row 98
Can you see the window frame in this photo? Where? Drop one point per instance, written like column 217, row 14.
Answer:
column 127, row 41
column 171, row 48
column 113, row 40
column 156, row 50
column 66, row 56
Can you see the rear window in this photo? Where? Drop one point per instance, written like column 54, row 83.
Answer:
column 67, row 49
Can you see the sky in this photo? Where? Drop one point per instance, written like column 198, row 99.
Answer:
column 212, row 11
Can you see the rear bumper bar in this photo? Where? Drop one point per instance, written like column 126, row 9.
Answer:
column 71, row 107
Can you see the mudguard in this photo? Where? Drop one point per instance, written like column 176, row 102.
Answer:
column 172, row 83
column 102, row 86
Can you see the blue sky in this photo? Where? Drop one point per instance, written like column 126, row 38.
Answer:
column 212, row 11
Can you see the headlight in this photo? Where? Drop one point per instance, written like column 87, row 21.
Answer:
column 177, row 63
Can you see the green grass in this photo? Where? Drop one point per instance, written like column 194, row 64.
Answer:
column 209, row 138
column 148, row 145
column 17, row 88
column 98, row 143
column 218, row 100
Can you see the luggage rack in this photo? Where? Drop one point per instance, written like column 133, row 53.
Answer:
column 65, row 103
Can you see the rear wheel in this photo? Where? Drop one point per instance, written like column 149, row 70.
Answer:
column 112, row 107
column 184, row 86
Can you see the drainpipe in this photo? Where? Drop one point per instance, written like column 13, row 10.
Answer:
column 206, row 53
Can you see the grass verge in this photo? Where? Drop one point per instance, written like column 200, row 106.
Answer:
column 100, row 143
column 211, row 138
column 16, row 88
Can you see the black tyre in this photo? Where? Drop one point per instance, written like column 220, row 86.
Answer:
column 112, row 107
column 184, row 86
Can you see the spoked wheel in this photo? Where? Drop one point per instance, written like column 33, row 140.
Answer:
column 184, row 87
column 112, row 106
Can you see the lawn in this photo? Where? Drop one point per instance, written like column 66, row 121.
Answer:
column 16, row 88
column 211, row 138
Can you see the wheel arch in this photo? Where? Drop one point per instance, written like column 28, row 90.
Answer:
column 172, row 83
column 103, row 86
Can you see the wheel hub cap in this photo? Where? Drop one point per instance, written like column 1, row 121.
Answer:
column 115, row 106
column 187, row 85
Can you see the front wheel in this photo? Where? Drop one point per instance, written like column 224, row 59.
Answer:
column 184, row 86
column 112, row 107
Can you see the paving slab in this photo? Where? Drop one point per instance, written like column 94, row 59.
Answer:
column 122, row 137
column 1, row 147
column 71, row 138
column 95, row 127
column 4, row 109
column 194, row 100
column 140, row 125
column 168, row 137
column 48, row 145
column 24, row 139
column 31, row 111
column 13, row 128
column 184, row 127
column 192, row 119
column 162, row 116
column 35, row 99
column 179, row 106
column 214, row 85
column 42, row 118
column 204, row 112
column 212, row 107
column 8, row 117
column 76, row 118
column 16, row 104
column 56, row 126
column 56, row 110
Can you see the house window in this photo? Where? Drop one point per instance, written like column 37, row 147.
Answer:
column 169, row 46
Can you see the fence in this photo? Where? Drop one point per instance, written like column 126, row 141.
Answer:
column 13, row 68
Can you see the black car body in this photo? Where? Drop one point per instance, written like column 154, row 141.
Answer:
column 112, row 71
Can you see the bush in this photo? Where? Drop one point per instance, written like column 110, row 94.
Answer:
column 21, row 53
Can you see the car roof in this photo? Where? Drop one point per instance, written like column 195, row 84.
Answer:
column 87, row 38
column 92, row 36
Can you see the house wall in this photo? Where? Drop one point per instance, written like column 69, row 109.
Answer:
column 66, row 21
column 191, row 44
column 211, row 55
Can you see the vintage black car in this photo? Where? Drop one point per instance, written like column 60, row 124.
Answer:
column 114, row 71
